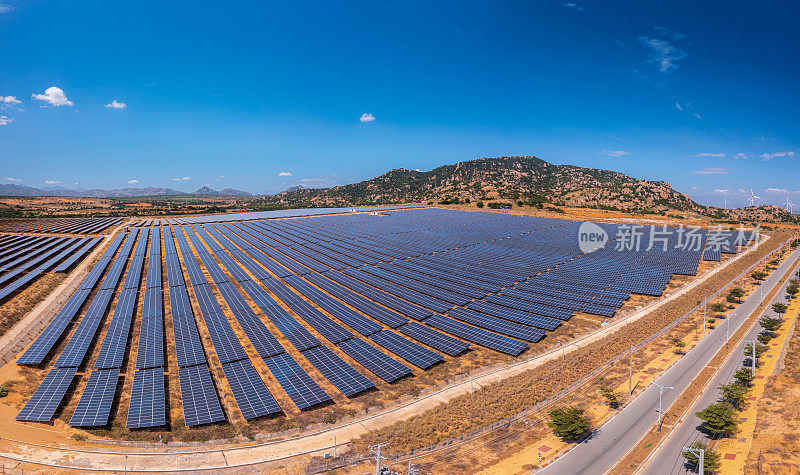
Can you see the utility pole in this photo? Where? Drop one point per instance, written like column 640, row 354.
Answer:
column 701, row 455
column 661, row 390
column 752, row 344
column 728, row 329
column 411, row 469
column 376, row 449
column 334, row 444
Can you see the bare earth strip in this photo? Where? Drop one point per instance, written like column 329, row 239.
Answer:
column 96, row 458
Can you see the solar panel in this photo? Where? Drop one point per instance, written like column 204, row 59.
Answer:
column 148, row 399
column 74, row 353
column 200, row 400
column 383, row 365
column 408, row 350
column 301, row 389
column 151, row 343
column 94, row 407
column 45, row 401
column 346, row 379
column 112, row 353
column 251, row 394
column 179, row 302
column 153, row 303
column 482, row 337
column 516, row 330
column 297, row 334
column 226, row 344
column 188, row 348
column 435, row 339
column 40, row 348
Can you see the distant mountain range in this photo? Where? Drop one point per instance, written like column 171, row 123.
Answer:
column 22, row 190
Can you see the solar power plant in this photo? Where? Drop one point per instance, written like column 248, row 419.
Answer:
column 359, row 301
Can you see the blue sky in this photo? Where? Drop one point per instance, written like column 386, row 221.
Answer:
column 241, row 94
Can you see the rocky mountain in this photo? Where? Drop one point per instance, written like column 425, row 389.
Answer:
column 207, row 190
column 527, row 180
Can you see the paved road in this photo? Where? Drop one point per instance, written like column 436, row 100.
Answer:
column 614, row 439
column 668, row 459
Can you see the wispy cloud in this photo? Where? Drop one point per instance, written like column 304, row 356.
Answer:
column 713, row 155
column 740, row 156
column 776, row 190
column 678, row 106
column 313, row 180
column 697, row 115
column 115, row 105
column 54, row 96
column 662, row 53
column 721, row 191
column 573, row 6
column 133, row 181
column 711, row 171
column 12, row 100
column 366, row 117
column 284, row 174
column 53, row 182
column 5, row 120
column 186, row 178
column 770, row 156
column 4, row 8
column 15, row 180
column 670, row 33
column 615, row 153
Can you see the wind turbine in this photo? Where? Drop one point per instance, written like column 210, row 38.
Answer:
column 751, row 201
column 789, row 205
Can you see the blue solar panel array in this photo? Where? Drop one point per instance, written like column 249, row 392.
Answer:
column 386, row 292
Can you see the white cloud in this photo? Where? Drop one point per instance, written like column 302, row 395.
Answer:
column 711, row 171
column 367, row 117
column 5, row 8
column 662, row 53
column 741, row 190
column 667, row 32
column 776, row 190
column 284, row 174
column 313, row 180
column 770, row 156
column 574, row 6
column 721, row 191
column 53, row 182
column 712, row 155
column 740, row 156
column 695, row 188
column 10, row 100
column 697, row 115
column 220, row 176
column 679, row 106
column 186, row 178
column 5, row 120
column 115, row 105
column 15, row 180
column 615, row 153
column 54, row 96
column 133, row 181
